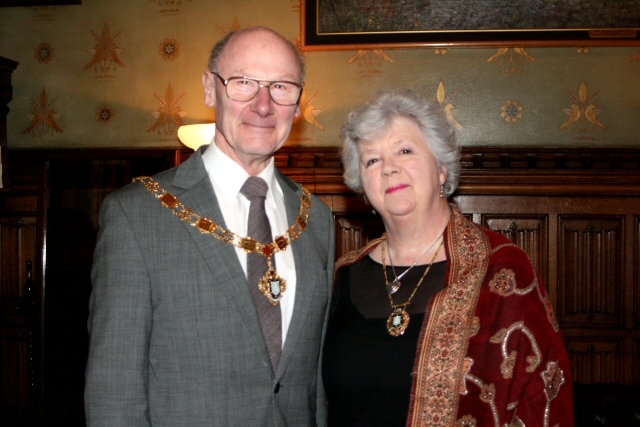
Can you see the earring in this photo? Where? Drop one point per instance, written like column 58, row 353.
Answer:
column 442, row 193
column 373, row 211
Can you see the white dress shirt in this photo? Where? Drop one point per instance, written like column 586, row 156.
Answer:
column 227, row 177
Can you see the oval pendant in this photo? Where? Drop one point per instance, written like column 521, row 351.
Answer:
column 398, row 321
column 393, row 287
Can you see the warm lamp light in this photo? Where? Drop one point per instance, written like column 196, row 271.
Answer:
column 195, row 136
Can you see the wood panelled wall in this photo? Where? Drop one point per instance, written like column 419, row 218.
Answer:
column 576, row 212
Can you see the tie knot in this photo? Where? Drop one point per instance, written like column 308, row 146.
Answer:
column 254, row 187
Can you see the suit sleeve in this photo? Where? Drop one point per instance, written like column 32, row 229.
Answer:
column 116, row 387
column 321, row 413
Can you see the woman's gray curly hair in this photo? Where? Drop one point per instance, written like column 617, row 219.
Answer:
column 372, row 120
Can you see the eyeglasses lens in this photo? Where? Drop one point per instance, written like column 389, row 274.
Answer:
column 283, row 93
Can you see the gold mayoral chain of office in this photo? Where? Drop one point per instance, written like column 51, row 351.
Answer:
column 271, row 284
column 398, row 320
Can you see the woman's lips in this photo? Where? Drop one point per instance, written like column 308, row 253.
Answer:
column 396, row 188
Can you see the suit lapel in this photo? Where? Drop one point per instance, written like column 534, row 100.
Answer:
column 194, row 190
column 304, row 290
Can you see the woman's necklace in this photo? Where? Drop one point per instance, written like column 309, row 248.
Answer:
column 393, row 287
column 398, row 321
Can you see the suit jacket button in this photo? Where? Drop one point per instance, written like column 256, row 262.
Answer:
column 277, row 388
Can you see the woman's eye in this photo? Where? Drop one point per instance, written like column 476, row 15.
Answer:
column 370, row 162
column 406, row 151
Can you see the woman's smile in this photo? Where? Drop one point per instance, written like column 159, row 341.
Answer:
column 396, row 188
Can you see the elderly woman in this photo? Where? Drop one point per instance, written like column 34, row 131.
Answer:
column 439, row 322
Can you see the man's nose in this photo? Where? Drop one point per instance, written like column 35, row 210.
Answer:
column 263, row 104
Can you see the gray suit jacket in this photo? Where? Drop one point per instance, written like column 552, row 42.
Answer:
column 175, row 337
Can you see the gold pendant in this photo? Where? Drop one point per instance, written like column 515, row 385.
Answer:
column 272, row 286
column 398, row 322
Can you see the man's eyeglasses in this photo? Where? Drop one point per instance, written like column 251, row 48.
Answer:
column 245, row 89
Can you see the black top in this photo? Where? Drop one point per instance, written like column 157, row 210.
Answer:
column 366, row 371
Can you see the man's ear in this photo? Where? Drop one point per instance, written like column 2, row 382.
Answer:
column 208, row 82
column 298, row 112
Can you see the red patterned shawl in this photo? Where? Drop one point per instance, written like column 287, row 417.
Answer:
column 490, row 352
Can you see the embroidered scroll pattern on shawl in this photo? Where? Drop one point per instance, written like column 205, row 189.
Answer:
column 444, row 339
column 509, row 359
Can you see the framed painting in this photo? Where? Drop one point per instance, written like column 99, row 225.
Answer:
column 376, row 24
column 7, row 3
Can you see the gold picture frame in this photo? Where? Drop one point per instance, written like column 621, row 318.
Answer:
column 374, row 24
column 18, row 3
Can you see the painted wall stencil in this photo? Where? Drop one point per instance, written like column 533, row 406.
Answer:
column 169, row 114
column 170, row 7
column 370, row 61
column 105, row 114
column 43, row 119
column 583, row 113
column 309, row 112
column 105, row 56
column 44, row 53
column 446, row 105
column 512, row 59
column 511, row 111
column 169, row 49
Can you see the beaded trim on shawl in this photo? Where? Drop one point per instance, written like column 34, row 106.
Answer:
column 445, row 336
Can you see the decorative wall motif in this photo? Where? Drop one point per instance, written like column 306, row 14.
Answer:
column 308, row 111
column 43, row 119
column 170, row 7
column 446, row 105
column 511, row 111
column 119, row 53
column 369, row 61
column 514, row 64
column 105, row 56
column 105, row 114
column 44, row 53
column 169, row 49
column 169, row 114
column 583, row 113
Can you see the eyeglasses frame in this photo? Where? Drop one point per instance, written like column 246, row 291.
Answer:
column 261, row 84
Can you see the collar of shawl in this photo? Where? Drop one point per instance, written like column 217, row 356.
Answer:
column 445, row 336
column 208, row 226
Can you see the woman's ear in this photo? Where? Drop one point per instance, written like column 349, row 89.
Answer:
column 444, row 173
column 208, row 82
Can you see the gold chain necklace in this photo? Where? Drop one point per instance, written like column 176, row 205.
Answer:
column 398, row 321
column 271, row 284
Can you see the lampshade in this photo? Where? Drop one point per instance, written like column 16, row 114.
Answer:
column 195, row 136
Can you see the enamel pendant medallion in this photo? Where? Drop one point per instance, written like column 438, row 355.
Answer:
column 272, row 286
column 398, row 322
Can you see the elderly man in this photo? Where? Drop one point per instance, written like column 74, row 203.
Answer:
column 211, row 281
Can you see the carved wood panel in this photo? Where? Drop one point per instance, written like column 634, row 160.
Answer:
column 17, row 246
column 528, row 232
column 590, row 271
column 636, row 356
column 355, row 231
column 594, row 360
column 636, row 281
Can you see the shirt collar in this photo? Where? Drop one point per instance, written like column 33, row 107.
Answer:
column 229, row 176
